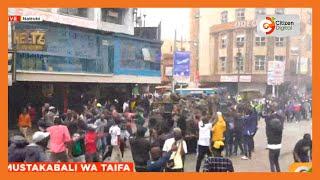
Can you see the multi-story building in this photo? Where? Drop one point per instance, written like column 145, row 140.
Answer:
column 79, row 53
column 226, row 32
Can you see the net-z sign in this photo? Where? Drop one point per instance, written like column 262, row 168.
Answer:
column 29, row 40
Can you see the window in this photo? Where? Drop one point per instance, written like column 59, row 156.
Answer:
column 112, row 15
column 260, row 41
column 240, row 40
column 223, row 42
column 279, row 11
column 224, row 16
column 260, row 11
column 240, row 14
column 82, row 12
column 239, row 63
column 279, row 41
column 223, row 64
column 279, row 58
column 259, row 63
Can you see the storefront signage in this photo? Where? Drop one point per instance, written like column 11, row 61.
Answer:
column 276, row 72
column 29, row 40
column 245, row 78
column 229, row 79
column 235, row 78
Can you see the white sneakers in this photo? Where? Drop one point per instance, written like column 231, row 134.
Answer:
column 244, row 158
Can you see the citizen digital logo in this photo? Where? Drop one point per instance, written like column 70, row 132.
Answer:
column 284, row 25
column 278, row 25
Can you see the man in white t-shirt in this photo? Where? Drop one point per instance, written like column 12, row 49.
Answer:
column 115, row 132
column 203, row 141
column 178, row 156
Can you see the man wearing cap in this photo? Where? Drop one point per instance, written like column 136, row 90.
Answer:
column 35, row 152
column 17, row 149
column 176, row 158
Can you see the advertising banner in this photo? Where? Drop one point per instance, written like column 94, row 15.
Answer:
column 181, row 68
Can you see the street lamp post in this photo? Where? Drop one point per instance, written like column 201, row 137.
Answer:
column 239, row 58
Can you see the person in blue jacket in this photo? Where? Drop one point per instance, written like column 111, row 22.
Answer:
column 250, row 127
column 158, row 162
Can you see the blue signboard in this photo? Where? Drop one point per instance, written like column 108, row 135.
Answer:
column 181, row 64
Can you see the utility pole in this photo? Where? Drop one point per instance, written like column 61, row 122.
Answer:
column 174, row 51
column 144, row 20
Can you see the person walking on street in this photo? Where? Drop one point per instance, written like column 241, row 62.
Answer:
column 238, row 128
column 249, row 130
column 90, row 141
column 140, row 148
column 36, row 151
column 274, row 129
column 115, row 133
column 24, row 122
column 59, row 139
column 203, row 141
column 218, row 129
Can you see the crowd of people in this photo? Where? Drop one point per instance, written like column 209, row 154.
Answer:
column 160, row 131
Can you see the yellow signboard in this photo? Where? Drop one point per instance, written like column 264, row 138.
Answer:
column 29, row 40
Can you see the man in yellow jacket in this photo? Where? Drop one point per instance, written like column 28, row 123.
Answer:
column 218, row 129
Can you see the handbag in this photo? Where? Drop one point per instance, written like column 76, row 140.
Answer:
column 170, row 163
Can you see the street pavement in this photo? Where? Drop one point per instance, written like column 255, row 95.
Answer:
column 259, row 161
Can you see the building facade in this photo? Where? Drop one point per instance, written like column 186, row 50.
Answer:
column 226, row 33
column 79, row 53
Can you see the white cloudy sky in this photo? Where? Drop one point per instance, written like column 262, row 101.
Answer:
column 171, row 19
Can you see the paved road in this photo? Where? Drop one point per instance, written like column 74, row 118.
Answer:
column 259, row 162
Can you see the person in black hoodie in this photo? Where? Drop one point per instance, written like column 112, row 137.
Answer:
column 140, row 148
column 302, row 149
column 274, row 128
